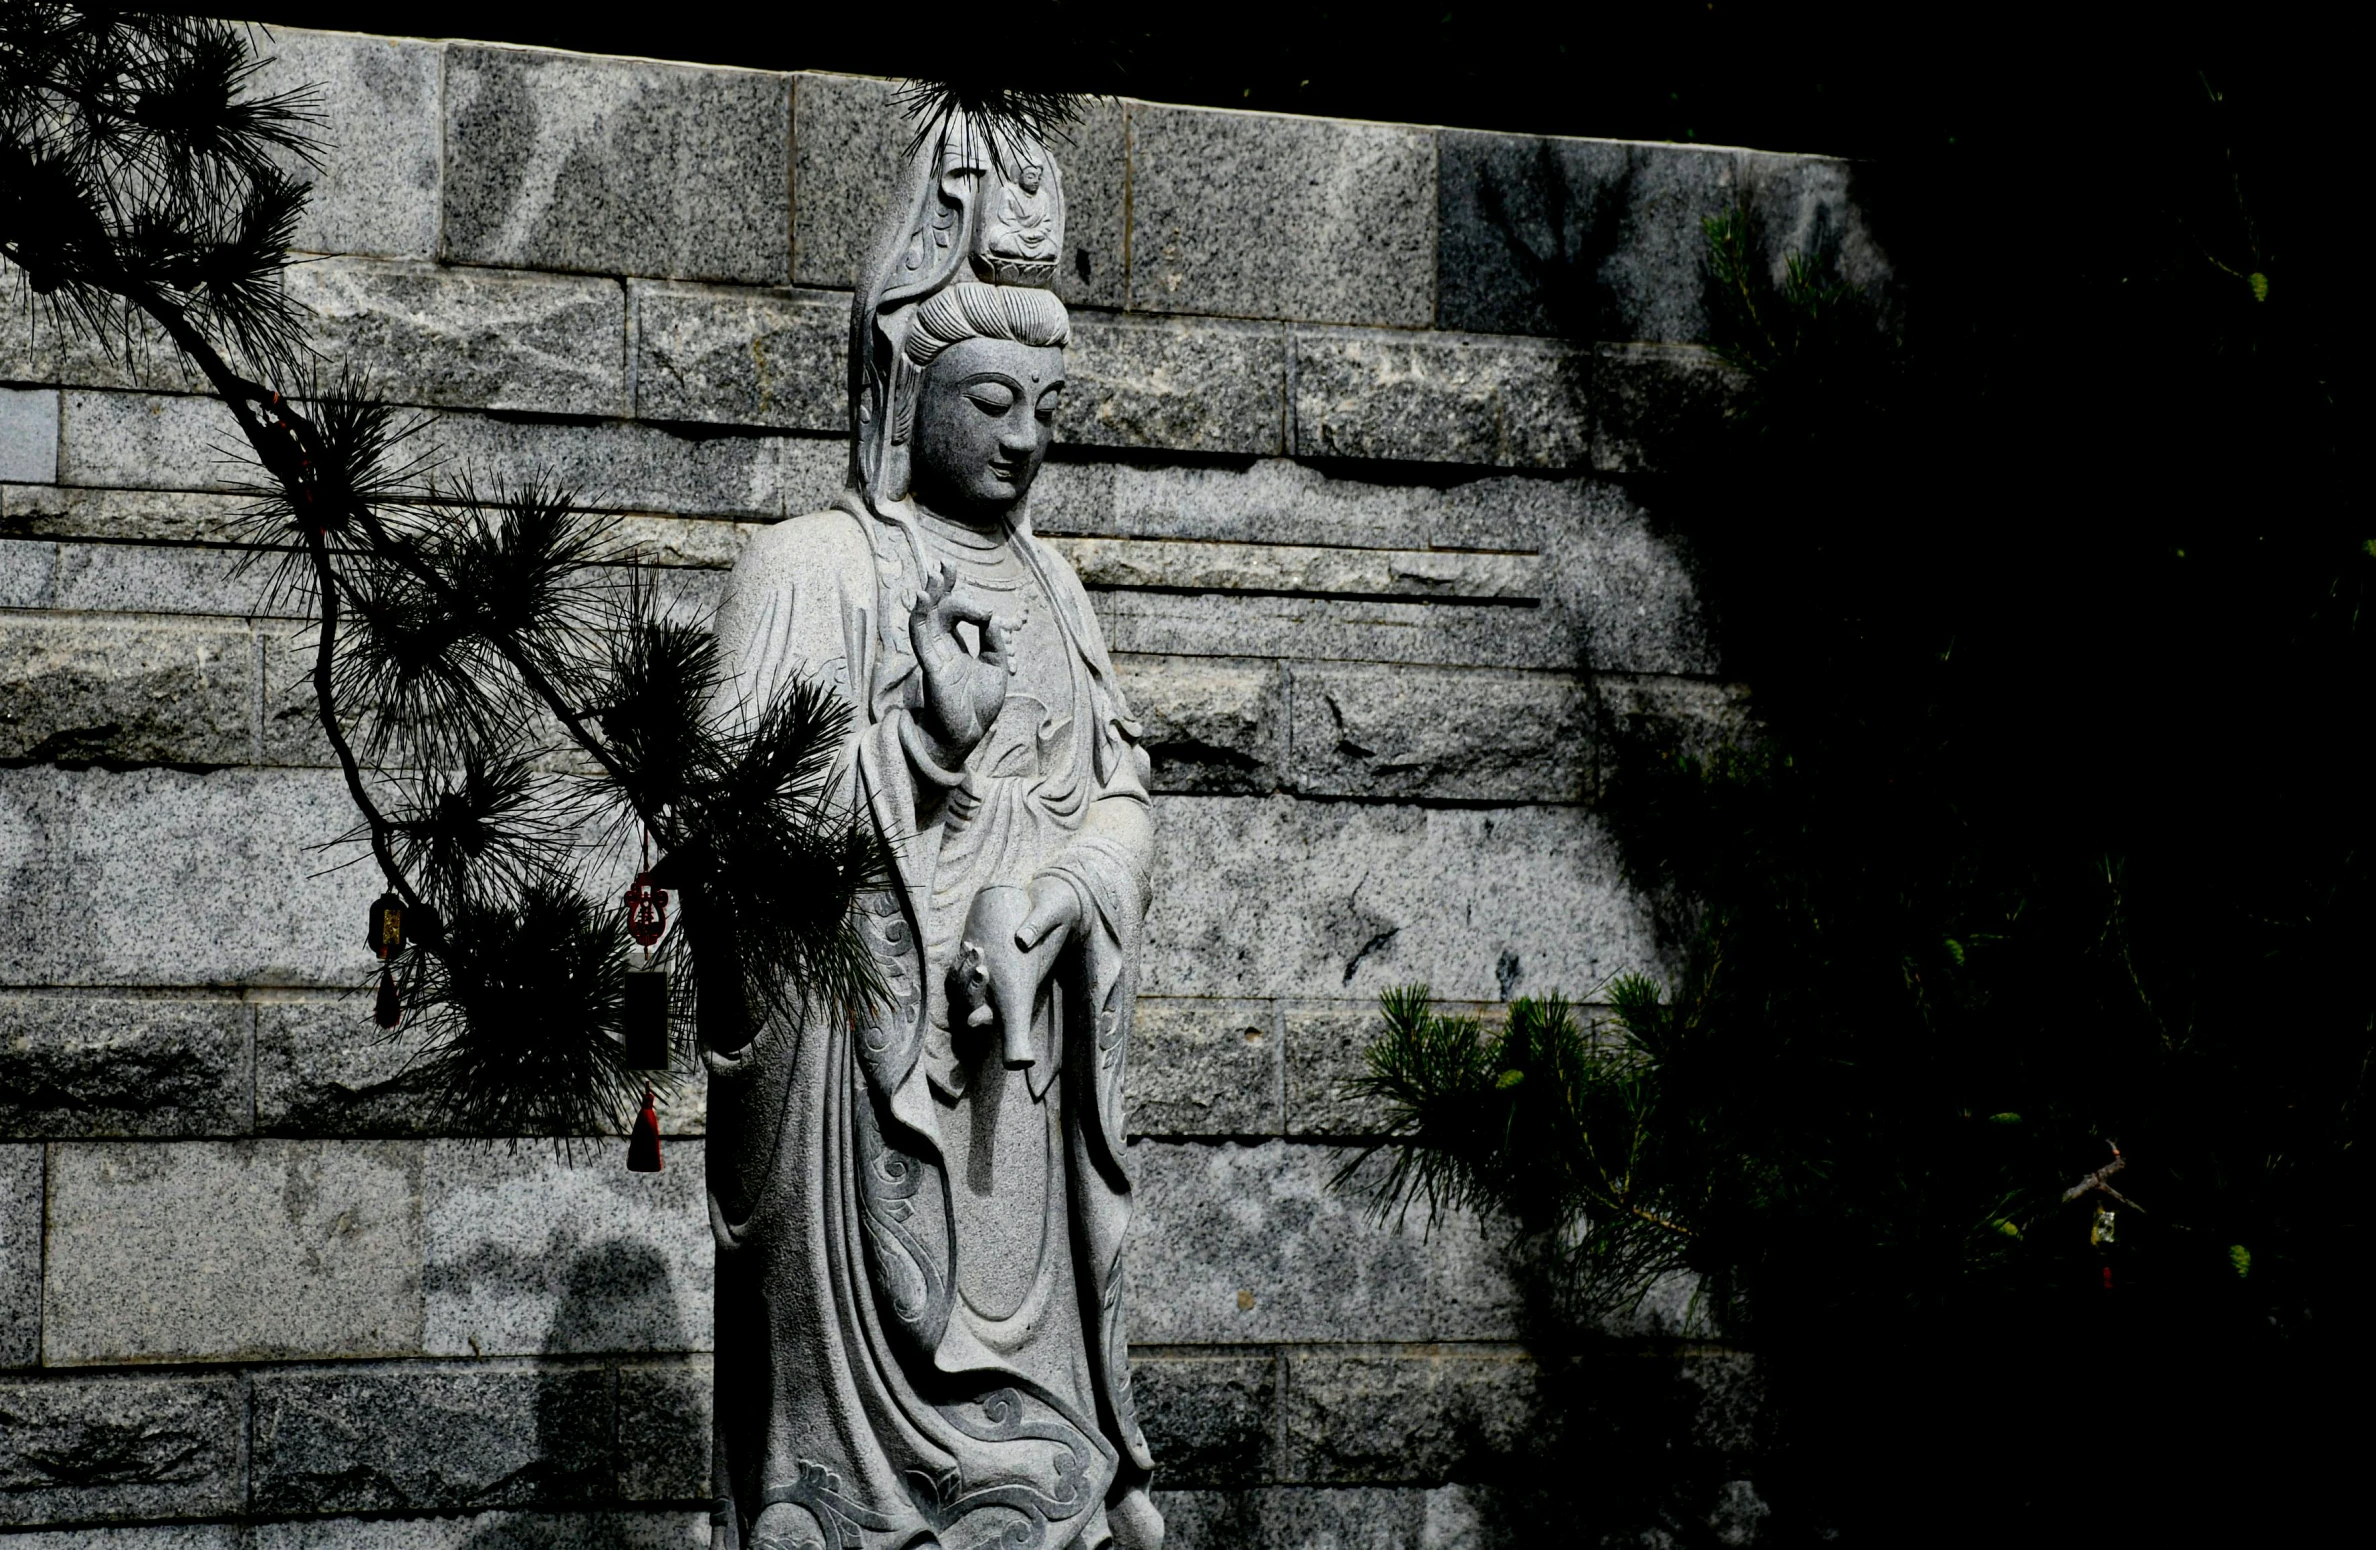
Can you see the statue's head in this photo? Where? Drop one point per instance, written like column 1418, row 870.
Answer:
column 957, row 340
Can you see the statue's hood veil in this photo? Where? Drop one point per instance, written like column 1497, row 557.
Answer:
column 950, row 220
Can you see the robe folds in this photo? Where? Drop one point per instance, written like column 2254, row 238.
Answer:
column 919, row 1306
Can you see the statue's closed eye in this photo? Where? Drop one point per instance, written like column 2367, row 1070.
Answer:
column 991, row 397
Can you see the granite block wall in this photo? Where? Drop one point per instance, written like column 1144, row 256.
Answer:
column 1353, row 466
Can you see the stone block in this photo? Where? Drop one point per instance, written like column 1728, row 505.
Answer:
column 651, row 468
column 124, row 516
column 1321, row 1518
column 1440, row 734
column 664, row 1432
column 1435, row 398
column 1687, row 715
column 125, row 691
column 95, row 1448
column 1813, row 206
column 21, row 1197
column 529, row 1251
column 774, row 358
column 1209, row 724
column 28, row 574
column 1305, row 569
column 678, row 543
column 1234, row 1244
column 28, row 435
column 75, row 1065
column 1273, row 501
column 1269, row 216
column 1211, row 1419
column 616, row 166
column 150, row 442
column 1577, row 239
column 139, row 578
column 1338, row 629
column 1204, row 1068
column 470, row 338
column 1658, row 408
column 1327, row 1048
column 1189, row 386
column 849, row 142
column 420, row 1438
column 219, row 1250
column 607, row 1530
column 150, row 1536
column 376, row 188
column 1408, row 1417
column 1270, row 896
column 108, row 870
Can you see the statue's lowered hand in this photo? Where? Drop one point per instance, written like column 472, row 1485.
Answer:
column 1011, row 941
column 962, row 692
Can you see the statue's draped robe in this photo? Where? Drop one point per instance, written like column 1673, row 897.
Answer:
column 919, row 1321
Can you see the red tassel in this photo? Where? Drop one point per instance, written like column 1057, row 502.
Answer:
column 2107, row 1268
column 643, row 1147
column 386, row 1010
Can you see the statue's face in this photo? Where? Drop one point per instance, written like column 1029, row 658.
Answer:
column 982, row 426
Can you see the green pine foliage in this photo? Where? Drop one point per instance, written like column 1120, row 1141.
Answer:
column 512, row 706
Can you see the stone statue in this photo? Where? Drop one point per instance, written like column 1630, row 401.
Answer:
column 920, row 1217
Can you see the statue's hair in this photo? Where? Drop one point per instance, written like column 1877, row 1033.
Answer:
column 1022, row 314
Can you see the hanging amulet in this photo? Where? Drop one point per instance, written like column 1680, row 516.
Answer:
column 647, row 911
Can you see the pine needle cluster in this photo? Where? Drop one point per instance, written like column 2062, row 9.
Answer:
column 513, row 708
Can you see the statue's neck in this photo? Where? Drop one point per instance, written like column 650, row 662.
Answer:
column 965, row 535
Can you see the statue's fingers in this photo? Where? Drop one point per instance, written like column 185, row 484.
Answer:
column 981, row 1015
column 1045, row 917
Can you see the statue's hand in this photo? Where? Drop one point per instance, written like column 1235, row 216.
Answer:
column 962, row 692
column 1011, row 943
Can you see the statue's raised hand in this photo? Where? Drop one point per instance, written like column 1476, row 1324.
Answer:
column 962, row 692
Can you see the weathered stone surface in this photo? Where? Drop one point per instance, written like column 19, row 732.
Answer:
column 1209, row 724
column 153, row 1536
column 1657, row 406
column 28, row 435
column 1688, row 715
column 527, row 1251
column 78, row 1449
column 775, row 358
column 470, row 338
column 1303, row 568
column 679, row 543
column 117, row 1066
column 1326, row 1056
column 1272, row 501
column 664, row 1432
column 148, row 442
column 1270, row 896
column 102, row 866
column 211, row 1250
column 1362, row 730
column 1387, row 1417
column 1188, row 386
column 20, row 1255
column 376, row 190
column 1580, row 239
column 1204, row 1068
column 1338, row 629
column 1327, row 1518
column 122, row 516
column 680, row 1530
column 28, row 574
column 391, row 1439
column 1812, row 206
column 1259, row 215
column 1211, row 1419
column 849, row 140
column 1239, row 1243
column 1433, row 398
column 138, row 578
column 126, row 691
column 616, row 166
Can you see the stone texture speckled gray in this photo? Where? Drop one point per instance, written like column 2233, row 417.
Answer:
column 154, row 1536
column 210, row 1250
column 121, row 516
column 1190, row 386
column 1326, row 1518
column 20, row 1255
column 29, row 435
column 1236, row 1243
column 616, row 166
column 1369, row 731
column 1204, row 1068
column 28, row 574
column 527, row 1252
column 610, row 1530
column 1386, row 1416
column 126, row 692
column 1268, row 896
column 141, row 578
column 1578, row 239
column 664, row 1431
column 1258, row 215
column 464, row 338
column 1339, row 629
column 116, row 1066
column 90, row 856
column 849, row 138
column 83, row 1448
column 775, row 358
column 1302, row 568
column 1208, row 724
column 1689, row 714
column 1433, row 398
column 1657, row 406
column 1212, row 1420
column 1812, row 206
column 1325, row 1059
column 423, row 1438
column 376, row 190
column 148, row 442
